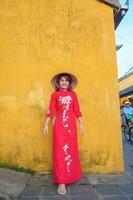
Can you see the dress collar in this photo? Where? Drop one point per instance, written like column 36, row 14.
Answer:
column 63, row 90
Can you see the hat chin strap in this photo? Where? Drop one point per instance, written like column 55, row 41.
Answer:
column 70, row 86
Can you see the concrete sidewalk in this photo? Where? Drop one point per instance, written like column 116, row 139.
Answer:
column 22, row 186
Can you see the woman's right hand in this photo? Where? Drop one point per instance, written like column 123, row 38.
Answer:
column 46, row 125
column 45, row 129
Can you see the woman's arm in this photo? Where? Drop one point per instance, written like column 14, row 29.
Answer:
column 50, row 112
column 78, row 113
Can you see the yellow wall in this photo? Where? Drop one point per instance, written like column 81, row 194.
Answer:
column 39, row 38
column 125, row 83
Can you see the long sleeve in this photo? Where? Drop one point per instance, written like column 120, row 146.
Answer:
column 51, row 106
column 76, row 107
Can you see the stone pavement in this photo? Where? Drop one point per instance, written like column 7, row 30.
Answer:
column 22, row 186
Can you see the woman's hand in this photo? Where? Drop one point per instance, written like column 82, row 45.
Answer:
column 81, row 125
column 45, row 129
column 46, row 125
column 81, row 129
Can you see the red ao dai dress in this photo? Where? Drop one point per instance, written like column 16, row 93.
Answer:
column 66, row 160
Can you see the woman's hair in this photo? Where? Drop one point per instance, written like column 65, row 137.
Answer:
column 67, row 76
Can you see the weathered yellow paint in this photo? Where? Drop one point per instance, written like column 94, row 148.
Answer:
column 39, row 39
column 125, row 83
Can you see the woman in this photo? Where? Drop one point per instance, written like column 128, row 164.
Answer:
column 66, row 161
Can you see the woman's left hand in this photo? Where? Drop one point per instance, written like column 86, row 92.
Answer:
column 81, row 129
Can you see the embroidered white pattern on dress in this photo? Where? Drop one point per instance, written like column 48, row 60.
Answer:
column 67, row 158
column 66, row 101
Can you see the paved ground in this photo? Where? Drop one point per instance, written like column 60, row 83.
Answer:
column 91, row 187
column 21, row 186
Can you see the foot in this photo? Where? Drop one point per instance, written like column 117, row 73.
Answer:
column 61, row 189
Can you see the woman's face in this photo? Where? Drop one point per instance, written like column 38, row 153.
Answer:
column 63, row 83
